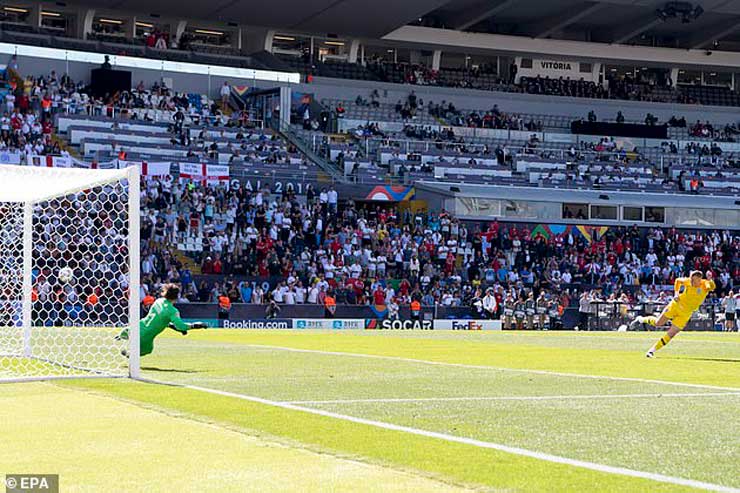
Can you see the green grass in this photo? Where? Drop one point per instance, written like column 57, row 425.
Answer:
column 100, row 444
column 694, row 437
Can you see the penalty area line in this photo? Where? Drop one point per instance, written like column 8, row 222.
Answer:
column 514, row 398
column 594, row 466
column 495, row 368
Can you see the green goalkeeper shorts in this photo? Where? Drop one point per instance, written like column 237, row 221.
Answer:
column 146, row 343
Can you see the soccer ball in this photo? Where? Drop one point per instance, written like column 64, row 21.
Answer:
column 622, row 328
column 65, row 274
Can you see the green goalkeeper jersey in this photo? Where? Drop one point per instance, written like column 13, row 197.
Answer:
column 160, row 316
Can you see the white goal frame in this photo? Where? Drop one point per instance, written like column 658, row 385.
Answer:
column 30, row 186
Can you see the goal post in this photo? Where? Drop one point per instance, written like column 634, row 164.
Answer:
column 134, row 217
column 69, row 272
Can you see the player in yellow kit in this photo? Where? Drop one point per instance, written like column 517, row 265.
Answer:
column 690, row 294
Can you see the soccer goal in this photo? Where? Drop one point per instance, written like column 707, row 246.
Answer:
column 69, row 272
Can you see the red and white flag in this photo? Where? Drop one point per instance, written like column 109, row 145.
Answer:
column 211, row 173
column 147, row 168
column 51, row 161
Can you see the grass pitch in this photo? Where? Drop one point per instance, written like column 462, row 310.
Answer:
column 314, row 399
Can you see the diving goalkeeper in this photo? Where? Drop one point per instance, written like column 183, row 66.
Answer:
column 690, row 294
column 162, row 314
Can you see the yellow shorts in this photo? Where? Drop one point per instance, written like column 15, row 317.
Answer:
column 678, row 315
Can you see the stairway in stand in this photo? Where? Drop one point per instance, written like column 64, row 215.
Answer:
column 187, row 261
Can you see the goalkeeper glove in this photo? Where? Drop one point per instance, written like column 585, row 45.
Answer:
column 199, row 325
column 173, row 327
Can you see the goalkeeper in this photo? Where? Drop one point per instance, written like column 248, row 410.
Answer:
column 162, row 314
column 690, row 294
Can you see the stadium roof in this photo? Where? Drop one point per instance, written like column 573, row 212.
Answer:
column 690, row 24
column 346, row 17
column 607, row 21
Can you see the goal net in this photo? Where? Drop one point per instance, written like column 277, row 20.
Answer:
column 69, row 272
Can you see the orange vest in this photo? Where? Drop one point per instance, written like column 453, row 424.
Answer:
column 330, row 301
column 224, row 302
column 415, row 306
column 92, row 299
column 34, row 295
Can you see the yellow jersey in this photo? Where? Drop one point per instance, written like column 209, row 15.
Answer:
column 687, row 296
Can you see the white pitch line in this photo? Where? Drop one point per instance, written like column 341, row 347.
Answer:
column 497, row 368
column 513, row 398
column 594, row 466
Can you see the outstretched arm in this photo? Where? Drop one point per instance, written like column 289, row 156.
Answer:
column 188, row 327
column 176, row 323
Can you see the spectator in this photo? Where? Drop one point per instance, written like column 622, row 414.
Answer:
column 225, row 93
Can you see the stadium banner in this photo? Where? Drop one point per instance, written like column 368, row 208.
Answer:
column 257, row 323
column 308, row 311
column 556, row 69
column 295, row 183
column 50, row 161
column 253, row 323
column 329, row 323
column 147, row 168
column 299, row 184
column 467, row 324
column 388, row 324
column 390, row 193
column 204, row 172
column 94, row 164
column 217, row 172
column 10, row 157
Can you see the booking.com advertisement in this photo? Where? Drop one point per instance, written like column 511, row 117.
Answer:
column 351, row 324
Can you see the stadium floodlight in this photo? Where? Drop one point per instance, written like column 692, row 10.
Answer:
column 69, row 272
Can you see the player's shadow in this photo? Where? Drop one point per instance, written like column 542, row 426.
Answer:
column 722, row 360
column 167, row 370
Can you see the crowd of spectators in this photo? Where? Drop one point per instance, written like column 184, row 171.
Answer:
column 157, row 39
column 87, row 234
column 359, row 252
column 27, row 123
column 615, row 160
column 482, row 76
column 495, row 118
column 563, row 86
column 374, row 254
column 28, row 108
column 47, row 95
column 644, row 85
column 707, row 131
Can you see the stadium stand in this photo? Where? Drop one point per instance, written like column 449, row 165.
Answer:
column 331, row 245
column 192, row 232
column 430, row 138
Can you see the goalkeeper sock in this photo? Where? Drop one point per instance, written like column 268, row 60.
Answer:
column 652, row 320
column 662, row 342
